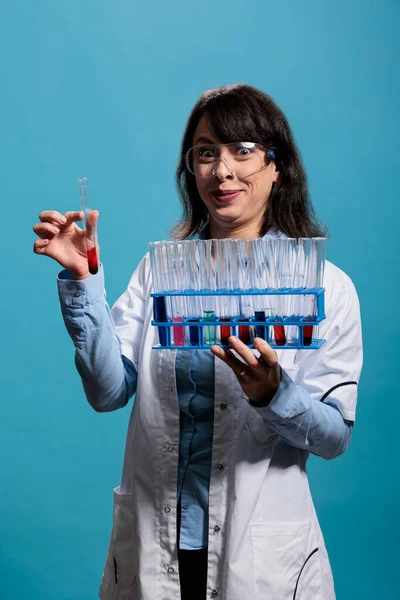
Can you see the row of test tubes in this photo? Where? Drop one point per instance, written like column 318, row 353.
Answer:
column 230, row 267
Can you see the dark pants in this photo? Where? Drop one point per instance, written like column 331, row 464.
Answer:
column 192, row 569
column 193, row 574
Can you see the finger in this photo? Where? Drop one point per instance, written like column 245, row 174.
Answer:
column 72, row 217
column 39, row 247
column 45, row 230
column 243, row 351
column 52, row 216
column 226, row 355
column 267, row 353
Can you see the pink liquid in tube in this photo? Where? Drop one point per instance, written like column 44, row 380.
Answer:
column 179, row 332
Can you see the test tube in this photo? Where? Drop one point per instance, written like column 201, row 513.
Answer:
column 159, row 306
column 257, row 273
column 314, row 277
column 279, row 330
column 192, row 283
column 90, row 229
column 174, row 273
column 291, row 300
column 208, row 283
column 226, row 304
column 245, row 301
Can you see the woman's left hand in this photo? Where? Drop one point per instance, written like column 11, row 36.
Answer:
column 259, row 377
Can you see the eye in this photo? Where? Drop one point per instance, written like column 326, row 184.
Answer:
column 207, row 153
column 245, row 149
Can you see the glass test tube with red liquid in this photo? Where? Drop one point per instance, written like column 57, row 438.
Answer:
column 244, row 332
column 315, row 276
column 90, row 228
column 280, row 335
column 246, row 310
column 226, row 331
column 226, row 308
column 307, row 335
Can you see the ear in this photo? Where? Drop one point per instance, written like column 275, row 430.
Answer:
column 275, row 174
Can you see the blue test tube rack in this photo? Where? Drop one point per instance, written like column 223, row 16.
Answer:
column 165, row 325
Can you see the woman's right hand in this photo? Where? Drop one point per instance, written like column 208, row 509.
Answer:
column 62, row 240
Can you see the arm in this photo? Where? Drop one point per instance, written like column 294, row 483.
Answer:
column 108, row 377
column 304, row 422
column 315, row 411
column 103, row 353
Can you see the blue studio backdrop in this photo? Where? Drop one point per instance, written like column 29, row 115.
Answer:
column 102, row 88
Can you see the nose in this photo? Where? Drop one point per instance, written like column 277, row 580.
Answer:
column 222, row 169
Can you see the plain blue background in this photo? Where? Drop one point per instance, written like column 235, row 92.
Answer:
column 103, row 89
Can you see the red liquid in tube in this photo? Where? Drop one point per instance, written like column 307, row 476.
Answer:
column 280, row 336
column 307, row 335
column 225, row 332
column 92, row 261
column 244, row 333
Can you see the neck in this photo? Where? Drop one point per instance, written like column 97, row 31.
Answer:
column 247, row 231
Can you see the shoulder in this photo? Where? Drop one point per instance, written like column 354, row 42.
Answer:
column 335, row 278
column 340, row 292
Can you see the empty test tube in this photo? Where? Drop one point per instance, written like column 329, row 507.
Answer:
column 159, row 305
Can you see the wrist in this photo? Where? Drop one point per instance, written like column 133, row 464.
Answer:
column 78, row 276
column 265, row 398
column 264, row 401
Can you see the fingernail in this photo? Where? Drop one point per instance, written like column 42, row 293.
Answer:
column 234, row 339
column 63, row 220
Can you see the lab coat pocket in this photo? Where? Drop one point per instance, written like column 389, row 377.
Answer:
column 123, row 539
column 282, row 556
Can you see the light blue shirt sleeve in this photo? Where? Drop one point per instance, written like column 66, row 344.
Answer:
column 109, row 379
column 304, row 422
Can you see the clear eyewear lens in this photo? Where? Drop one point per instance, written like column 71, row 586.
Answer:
column 242, row 158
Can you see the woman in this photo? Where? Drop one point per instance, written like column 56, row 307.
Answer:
column 214, row 500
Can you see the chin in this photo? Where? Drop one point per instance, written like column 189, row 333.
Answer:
column 229, row 211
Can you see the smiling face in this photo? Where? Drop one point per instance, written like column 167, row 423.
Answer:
column 236, row 203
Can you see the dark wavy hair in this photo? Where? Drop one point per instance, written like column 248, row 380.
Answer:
column 244, row 113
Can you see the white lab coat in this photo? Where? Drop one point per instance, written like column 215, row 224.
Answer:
column 262, row 522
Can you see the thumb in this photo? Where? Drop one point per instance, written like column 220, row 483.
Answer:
column 93, row 218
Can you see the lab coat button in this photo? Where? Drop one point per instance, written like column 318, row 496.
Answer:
column 217, row 528
column 170, row 388
column 220, row 466
column 214, row 593
column 170, row 448
column 223, row 406
column 170, row 571
column 167, row 509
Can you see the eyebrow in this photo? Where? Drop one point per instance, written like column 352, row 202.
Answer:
column 205, row 140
